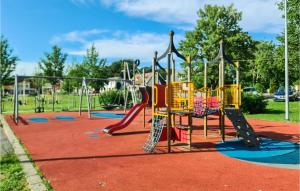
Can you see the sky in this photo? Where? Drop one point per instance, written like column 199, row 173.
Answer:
column 119, row 29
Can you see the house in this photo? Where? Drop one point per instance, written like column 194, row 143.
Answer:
column 112, row 84
column 139, row 78
column 25, row 87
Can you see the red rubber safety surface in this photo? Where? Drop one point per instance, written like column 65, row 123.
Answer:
column 71, row 159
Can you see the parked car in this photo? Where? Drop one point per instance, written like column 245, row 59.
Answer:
column 279, row 95
column 250, row 90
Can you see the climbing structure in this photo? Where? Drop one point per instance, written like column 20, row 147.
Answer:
column 242, row 127
column 170, row 100
column 159, row 123
column 224, row 100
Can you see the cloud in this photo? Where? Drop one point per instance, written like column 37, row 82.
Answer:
column 124, row 45
column 76, row 36
column 26, row 68
column 258, row 15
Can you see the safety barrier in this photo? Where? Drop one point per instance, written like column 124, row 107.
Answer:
column 232, row 95
column 182, row 96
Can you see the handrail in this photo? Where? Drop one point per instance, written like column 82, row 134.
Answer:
column 166, row 96
column 156, row 95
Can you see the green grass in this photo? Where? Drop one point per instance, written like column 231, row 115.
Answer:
column 12, row 177
column 275, row 112
column 65, row 103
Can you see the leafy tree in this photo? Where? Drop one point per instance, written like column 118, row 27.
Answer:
column 7, row 65
column 264, row 71
column 117, row 67
column 293, row 18
column 217, row 23
column 95, row 67
column 75, row 70
column 8, row 61
column 53, row 64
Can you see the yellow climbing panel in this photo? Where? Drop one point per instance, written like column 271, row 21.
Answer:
column 232, row 95
column 182, row 96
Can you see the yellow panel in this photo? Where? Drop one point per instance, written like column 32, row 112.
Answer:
column 182, row 96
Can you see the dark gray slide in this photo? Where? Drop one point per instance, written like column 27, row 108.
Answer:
column 242, row 127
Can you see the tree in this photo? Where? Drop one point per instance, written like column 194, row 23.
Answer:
column 95, row 67
column 7, row 65
column 75, row 70
column 264, row 71
column 293, row 17
column 117, row 67
column 53, row 65
column 217, row 23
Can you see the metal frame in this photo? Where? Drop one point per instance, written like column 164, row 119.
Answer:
column 84, row 89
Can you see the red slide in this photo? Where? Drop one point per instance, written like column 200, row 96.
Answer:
column 130, row 116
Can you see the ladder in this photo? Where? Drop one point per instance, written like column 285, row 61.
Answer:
column 155, row 133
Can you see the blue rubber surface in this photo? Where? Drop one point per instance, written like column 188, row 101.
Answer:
column 38, row 119
column 66, row 118
column 107, row 115
column 270, row 151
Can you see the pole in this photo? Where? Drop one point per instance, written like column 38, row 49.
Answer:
column 205, row 99
column 190, row 119
column 87, row 98
column 222, row 91
column 81, row 94
column 144, row 85
column 153, row 88
column 24, row 91
column 286, row 68
column 16, row 106
column 124, row 84
column 169, row 122
column 238, row 83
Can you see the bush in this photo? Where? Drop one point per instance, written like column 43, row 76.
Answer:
column 259, row 87
column 253, row 104
column 111, row 97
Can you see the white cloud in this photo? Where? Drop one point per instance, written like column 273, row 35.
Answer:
column 124, row 45
column 26, row 68
column 75, row 36
column 258, row 15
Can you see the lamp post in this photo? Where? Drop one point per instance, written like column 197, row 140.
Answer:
column 286, row 68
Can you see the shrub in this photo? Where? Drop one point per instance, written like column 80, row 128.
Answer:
column 259, row 87
column 253, row 103
column 111, row 97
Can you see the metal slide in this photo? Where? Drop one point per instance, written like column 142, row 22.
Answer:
column 242, row 127
column 131, row 115
column 155, row 133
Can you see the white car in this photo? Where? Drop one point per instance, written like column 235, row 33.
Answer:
column 250, row 90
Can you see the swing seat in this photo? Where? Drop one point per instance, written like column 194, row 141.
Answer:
column 110, row 106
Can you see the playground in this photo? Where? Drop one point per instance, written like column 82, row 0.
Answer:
column 68, row 150
column 173, row 137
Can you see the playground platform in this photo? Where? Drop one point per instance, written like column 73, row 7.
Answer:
column 73, row 154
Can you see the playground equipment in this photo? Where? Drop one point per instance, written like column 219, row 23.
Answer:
column 38, row 102
column 131, row 115
column 170, row 101
column 225, row 100
column 176, row 100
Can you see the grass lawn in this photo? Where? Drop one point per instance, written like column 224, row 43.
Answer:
column 64, row 103
column 11, row 174
column 275, row 112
